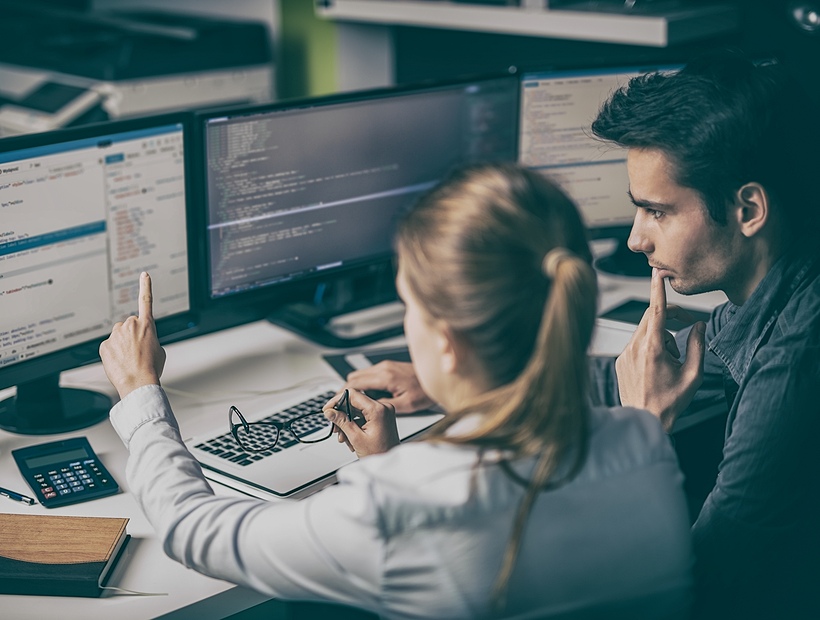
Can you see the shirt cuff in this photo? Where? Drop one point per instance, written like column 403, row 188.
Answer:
column 143, row 405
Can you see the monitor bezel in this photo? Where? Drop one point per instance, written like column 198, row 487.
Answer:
column 171, row 328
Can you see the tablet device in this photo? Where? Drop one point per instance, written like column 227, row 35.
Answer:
column 345, row 363
column 632, row 311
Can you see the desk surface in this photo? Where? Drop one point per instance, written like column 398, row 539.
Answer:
column 244, row 365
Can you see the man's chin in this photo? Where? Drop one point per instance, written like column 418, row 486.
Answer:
column 682, row 287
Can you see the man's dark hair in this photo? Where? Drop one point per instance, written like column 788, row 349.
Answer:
column 723, row 121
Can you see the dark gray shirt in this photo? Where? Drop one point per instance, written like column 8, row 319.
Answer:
column 757, row 537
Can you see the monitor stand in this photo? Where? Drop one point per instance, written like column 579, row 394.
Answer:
column 42, row 407
column 347, row 311
column 342, row 330
column 624, row 262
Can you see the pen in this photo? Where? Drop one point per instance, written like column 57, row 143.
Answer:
column 17, row 497
column 345, row 401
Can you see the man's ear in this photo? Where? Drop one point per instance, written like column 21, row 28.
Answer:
column 752, row 209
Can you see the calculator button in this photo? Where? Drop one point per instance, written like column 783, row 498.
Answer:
column 60, row 486
column 78, row 488
column 49, row 495
column 64, row 491
column 46, row 489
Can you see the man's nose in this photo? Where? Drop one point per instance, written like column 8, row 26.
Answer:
column 639, row 239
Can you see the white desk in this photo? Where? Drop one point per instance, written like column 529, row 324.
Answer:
column 254, row 357
column 203, row 377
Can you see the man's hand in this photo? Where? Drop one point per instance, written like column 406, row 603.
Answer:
column 650, row 374
column 399, row 379
column 132, row 356
column 377, row 434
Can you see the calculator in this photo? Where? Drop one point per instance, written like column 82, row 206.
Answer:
column 64, row 472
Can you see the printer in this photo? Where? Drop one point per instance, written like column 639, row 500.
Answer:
column 60, row 68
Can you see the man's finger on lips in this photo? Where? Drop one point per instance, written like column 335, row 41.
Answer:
column 656, row 312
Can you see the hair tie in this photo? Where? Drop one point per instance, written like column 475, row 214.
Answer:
column 550, row 263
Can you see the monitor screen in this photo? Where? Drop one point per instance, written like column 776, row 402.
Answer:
column 557, row 110
column 83, row 213
column 310, row 189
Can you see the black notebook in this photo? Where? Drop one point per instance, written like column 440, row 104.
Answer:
column 57, row 555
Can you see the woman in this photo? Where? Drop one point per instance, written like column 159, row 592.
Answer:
column 523, row 500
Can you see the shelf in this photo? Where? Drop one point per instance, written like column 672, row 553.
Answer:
column 655, row 28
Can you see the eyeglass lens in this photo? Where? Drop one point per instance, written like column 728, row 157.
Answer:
column 311, row 428
column 257, row 437
column 262, row 436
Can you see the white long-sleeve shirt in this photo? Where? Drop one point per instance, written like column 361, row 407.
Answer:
column 419, row 532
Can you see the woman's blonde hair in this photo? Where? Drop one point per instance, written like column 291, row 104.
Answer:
column 500, row 255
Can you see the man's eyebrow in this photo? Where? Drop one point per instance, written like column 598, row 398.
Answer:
column 647, row 204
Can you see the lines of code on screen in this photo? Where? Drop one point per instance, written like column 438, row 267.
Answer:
column 292, row 192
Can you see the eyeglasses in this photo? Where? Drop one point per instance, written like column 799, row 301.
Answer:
column 261, row 436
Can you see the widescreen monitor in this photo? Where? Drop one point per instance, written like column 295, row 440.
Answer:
column 557, row 110
column 82, row 213
column 308, row 191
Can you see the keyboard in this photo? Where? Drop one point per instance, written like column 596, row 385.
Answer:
column 225, row 447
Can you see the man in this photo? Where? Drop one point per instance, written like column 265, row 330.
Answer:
column 722, row 162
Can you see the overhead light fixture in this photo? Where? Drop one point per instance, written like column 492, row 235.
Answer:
column 806, row 16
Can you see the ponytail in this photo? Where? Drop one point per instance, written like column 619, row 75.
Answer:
column 564, row 334
column 542, row 409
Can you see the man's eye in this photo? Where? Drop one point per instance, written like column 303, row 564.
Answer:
column 654, row 214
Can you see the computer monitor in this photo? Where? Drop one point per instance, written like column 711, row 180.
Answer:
column 557, row 110
column 311, row 191
column 82, row 213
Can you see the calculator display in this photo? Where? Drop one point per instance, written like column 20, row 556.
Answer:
column 57, row 457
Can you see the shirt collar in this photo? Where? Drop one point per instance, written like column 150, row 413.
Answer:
column 747, row 326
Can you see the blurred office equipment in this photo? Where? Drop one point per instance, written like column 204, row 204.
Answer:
column 61, row 67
